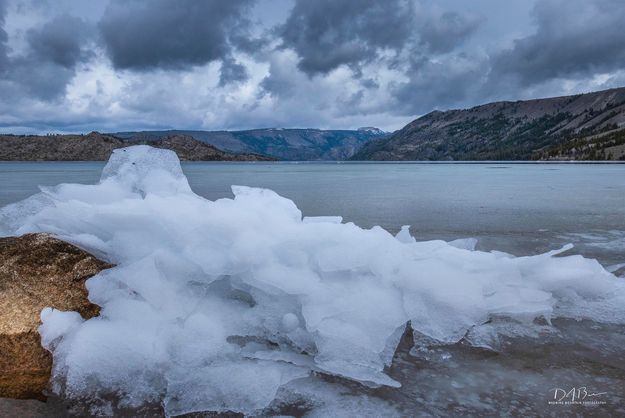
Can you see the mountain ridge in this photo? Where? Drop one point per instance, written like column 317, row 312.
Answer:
column 98, row 147
column 589, row 126
column 303, row 144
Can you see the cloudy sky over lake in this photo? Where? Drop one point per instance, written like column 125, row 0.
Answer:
column 107, row 65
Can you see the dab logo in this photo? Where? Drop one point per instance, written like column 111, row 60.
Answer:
column 576, row 396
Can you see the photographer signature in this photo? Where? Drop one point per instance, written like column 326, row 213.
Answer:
column 575, row 395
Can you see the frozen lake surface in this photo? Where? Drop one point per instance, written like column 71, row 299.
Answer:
column 522, row 209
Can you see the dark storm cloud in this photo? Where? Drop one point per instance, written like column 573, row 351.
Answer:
column 279, row 83
column 329, row 33
column 3, row 37
column 445, row 32
column 47, row 65
column 141, row 34
column 30, row 77
column 440, row 85
column 440, row 74
column 407, row 36
column 574, row 38
column 232, row 72
column 60, row 40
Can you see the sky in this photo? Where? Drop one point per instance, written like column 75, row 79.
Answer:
column 113, row 65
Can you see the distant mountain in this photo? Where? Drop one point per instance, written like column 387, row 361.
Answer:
column 283, row 144
column 582, row 127
column 98, row 147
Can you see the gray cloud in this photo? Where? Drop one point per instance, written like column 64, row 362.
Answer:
column 329, row 33
column 445, row 32
column 45, row 68
column 140, row 34
column 450, row 82
column 31, row 78
column 574, row 38
column 3, row 38
column 406, row 36
column 60, row 40
column 232, row 72
column 279, row 83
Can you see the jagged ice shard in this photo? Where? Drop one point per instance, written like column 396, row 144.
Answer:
column 213, row 305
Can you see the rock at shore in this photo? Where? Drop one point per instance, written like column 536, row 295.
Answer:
column 37, row 271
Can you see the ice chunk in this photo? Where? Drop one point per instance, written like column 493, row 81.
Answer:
column 464, row 243
column 217, row 387
column 58, row 323
column 615, row 267
column 404, row 235
column 146, row 170
column 217, row 304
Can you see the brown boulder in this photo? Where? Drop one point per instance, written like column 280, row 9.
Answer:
column 36, row 271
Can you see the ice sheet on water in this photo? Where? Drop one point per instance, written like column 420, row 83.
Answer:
column 236, row 297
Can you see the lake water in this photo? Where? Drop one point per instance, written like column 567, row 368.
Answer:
column 518, row 208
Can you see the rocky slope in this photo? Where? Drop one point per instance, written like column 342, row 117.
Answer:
column 583, row 127
column 283, row 144
column 98, row 147
column 37, row 271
